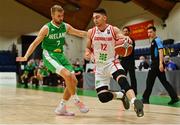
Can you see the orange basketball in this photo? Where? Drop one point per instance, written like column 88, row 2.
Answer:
column 123, row 48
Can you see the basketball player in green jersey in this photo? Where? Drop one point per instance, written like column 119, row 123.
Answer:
column 52, row 36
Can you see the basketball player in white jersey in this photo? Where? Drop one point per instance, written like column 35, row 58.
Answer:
column 100, row 45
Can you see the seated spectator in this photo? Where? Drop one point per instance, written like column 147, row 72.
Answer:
column 30, row 68
column 28, row 73
column 143, row 64
column 169, row 64
column 178, row 54
column 25, row 79
column 43, row 73
column 35, row 81
column 35, row 78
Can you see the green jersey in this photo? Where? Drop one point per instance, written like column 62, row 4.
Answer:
column 53, row 56
column 44, row 72
column 55, row 38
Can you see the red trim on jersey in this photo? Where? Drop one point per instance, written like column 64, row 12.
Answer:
column 114, row 36
column 91, row 37
column 113, row 33
column 93, row 32
column 116, row 62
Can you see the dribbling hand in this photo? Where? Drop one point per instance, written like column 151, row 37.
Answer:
column 128, row 39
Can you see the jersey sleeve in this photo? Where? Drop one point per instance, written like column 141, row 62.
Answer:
column 159, row 43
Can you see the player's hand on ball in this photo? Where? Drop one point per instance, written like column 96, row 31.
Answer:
column 123, row 47
column 128, row 39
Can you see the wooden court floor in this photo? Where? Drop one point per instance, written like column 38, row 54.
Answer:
column 24, row 106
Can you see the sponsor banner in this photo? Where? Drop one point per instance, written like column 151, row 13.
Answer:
column 139, row 30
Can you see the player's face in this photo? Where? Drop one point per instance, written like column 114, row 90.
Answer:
column 126, row 32
column 151, row 33
column 99, row 19
column 58, row 17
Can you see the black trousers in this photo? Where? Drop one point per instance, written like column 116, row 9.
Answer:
column 152, row 74
column 129, row 66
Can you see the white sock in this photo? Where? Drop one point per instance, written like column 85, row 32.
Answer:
column 132, row 100
column 75, row 98
column 119, row 95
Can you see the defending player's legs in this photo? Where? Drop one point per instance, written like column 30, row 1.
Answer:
column 70, row 90
column 68, row 77
column 61, row 108
column 81, row 106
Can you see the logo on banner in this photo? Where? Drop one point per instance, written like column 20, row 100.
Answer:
column 139, row 30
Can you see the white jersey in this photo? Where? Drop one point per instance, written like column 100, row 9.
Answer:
column 103, row 45
column 106, row 60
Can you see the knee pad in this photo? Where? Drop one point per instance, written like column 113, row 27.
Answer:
column 105, row 96
column 124, row 83
column 118, row 73
column 120, row 77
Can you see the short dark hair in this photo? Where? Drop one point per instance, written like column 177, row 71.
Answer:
column 152, row 27
column 101, row 11
column 126, row 28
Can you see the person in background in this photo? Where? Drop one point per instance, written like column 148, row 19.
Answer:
column 169, row 64
column 43, row 74
column 25, row 79
column 128, row 63
column 28, row 73
column 157, row 69
column 143, row 64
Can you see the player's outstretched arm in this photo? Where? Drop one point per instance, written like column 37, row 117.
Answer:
column 76, row 32
column 42, row 33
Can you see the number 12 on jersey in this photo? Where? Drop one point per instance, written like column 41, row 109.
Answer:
column 104, row 47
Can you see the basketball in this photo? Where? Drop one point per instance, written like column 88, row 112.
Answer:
column 123, row 48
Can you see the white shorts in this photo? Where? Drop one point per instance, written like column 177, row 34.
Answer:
column 104, row 73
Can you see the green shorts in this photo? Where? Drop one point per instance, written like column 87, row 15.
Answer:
column 55, row 62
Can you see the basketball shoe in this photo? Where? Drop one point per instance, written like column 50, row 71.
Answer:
column 138, row 107
column 81, row 106
column 125, row 100
column 62, row 111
